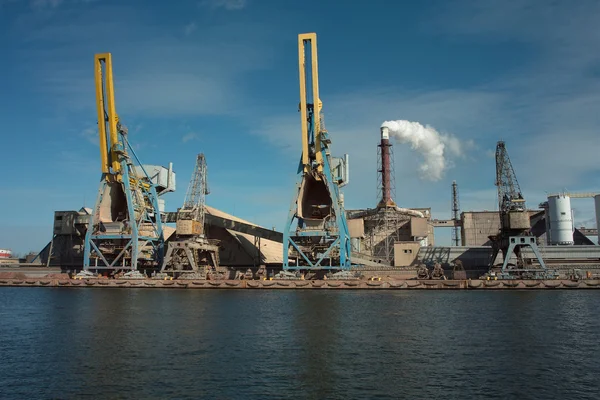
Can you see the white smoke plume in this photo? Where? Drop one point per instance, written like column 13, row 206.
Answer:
column 433, row 146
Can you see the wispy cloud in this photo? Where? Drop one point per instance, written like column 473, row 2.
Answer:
column 6, row 2
column 91, row 135
column 190, row 28
column 39, row 4
column 180, row 80
column 190, row 136
column 550, row 123
column 226, row 4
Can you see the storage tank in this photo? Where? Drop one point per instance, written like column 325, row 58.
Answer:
column 597, row 203
column 561, row 220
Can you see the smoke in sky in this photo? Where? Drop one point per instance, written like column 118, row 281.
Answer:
column 434, row 147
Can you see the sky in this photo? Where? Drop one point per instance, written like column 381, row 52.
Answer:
column 221, row 77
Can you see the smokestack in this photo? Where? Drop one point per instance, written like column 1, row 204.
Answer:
column 386, row 184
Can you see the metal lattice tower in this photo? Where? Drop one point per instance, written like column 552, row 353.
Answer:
column 455, row 214
column 195, row 197
column 385, row 232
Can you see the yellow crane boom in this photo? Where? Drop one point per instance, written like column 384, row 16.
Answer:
column 105, row 103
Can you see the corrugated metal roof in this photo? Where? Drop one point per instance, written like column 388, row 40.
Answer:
column 272, row 252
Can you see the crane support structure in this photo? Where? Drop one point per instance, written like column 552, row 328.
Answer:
column 125, row 229
column 320, row 239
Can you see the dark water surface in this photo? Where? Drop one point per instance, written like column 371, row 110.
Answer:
column 229, row 344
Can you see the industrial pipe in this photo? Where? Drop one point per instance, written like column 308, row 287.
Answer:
column 386, row 187
column 373, row 211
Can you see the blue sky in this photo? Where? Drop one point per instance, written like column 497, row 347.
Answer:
column 220, row 77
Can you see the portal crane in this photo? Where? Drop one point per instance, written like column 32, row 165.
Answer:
column 195, row 200
column 125, row 230
column 321, row 239
column 191, row 255
column 515, row 225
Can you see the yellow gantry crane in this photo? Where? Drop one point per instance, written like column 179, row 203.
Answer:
column 124, row 231
column 320, row 238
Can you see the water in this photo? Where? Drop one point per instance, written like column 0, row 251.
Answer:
column 228, row 344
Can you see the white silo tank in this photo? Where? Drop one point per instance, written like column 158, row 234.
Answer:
column 597, row 204
column 561, row 220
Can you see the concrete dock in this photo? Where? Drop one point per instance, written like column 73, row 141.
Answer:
column 396, row 284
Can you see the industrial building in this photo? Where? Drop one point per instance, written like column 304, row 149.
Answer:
column 242, row 243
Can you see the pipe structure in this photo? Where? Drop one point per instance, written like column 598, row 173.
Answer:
column 386, row 183
column 373, row 211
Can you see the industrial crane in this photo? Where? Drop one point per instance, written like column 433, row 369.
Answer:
column 190, row 217
column 320, row 240
column 125, row 230
column 515, row 225
column 191, row 255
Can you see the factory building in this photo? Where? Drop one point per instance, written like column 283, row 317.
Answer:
column 237, row 249
column 376, row 233
column 478, row 226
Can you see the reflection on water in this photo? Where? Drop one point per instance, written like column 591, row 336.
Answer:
column 136, row 343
